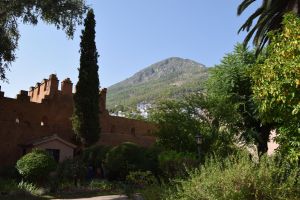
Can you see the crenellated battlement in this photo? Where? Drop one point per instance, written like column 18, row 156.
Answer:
column 47, row 90
column 67, row 87
column 48, row 87
column 23, row 96
column 45, row 110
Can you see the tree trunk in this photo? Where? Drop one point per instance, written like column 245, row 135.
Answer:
column 263, row 138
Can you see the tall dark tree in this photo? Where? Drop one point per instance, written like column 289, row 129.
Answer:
column 85, row 118
column 64, row 14
column 269, row 17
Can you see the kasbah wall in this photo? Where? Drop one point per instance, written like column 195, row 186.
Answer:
column 45, row 110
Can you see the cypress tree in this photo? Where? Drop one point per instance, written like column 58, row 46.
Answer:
column 85, row 119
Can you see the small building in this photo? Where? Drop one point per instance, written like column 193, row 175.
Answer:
column 59, row 148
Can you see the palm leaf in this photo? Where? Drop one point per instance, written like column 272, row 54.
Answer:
column 244, row 5
column 269, row 18
column 249, row 21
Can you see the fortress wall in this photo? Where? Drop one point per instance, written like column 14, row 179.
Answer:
column 45, row 110
column 22, row 122
column 129, row 126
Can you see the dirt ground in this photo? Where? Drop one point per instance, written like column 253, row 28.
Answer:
column 110, row 197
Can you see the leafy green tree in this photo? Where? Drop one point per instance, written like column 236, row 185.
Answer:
column 276, row 86
column 180, row 121
column 85, row 118
column 176, row 126
column 64, row 14
column 269, row 17
column 229, row 95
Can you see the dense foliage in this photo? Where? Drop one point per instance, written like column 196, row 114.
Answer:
column 267, row 17
column 64, row 14
column 276, row 86
column 122, row 159
column 127, row 157
column 94, row 156
column 177, row 127
column 70, row 169
column 180, row 121
column 36, row 166
column 229, row 98
column 140, row 179
column 103, row 185
column 175, row 164
column 238, row 178
column 85, row 119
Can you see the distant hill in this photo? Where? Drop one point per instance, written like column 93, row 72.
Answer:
column 171, row 78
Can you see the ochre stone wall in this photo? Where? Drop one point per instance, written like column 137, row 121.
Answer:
column 45, row 110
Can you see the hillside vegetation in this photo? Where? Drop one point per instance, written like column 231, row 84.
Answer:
column 171, row 78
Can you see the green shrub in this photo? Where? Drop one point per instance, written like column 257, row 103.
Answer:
column 140, row 179
column 70, row 169
column 69, row 173
column 151, row 162
column 10, row 189
column 102, row 185
column 154, row 192
column 174, row 164
column 36, row 166
column 127, row 157
column 28, row 187
column 95, row 155
column 122, row 159
column 239, row 178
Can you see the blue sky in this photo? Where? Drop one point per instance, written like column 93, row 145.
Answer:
column 130, row 35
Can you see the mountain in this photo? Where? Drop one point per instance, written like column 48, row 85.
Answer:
column 170, row 78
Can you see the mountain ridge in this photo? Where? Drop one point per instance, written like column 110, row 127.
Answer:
column 168, row 78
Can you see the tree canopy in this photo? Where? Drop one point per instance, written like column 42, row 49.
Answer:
column 276, row 85
column 230, row 100
column 64, row 14
column 267, row 17
column 181, row 120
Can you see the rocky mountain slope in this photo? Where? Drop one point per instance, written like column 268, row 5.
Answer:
column 170, row 78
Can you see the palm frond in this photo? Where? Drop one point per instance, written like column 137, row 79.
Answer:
column 243, row 6
column 246, row 26
column 268, row 17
